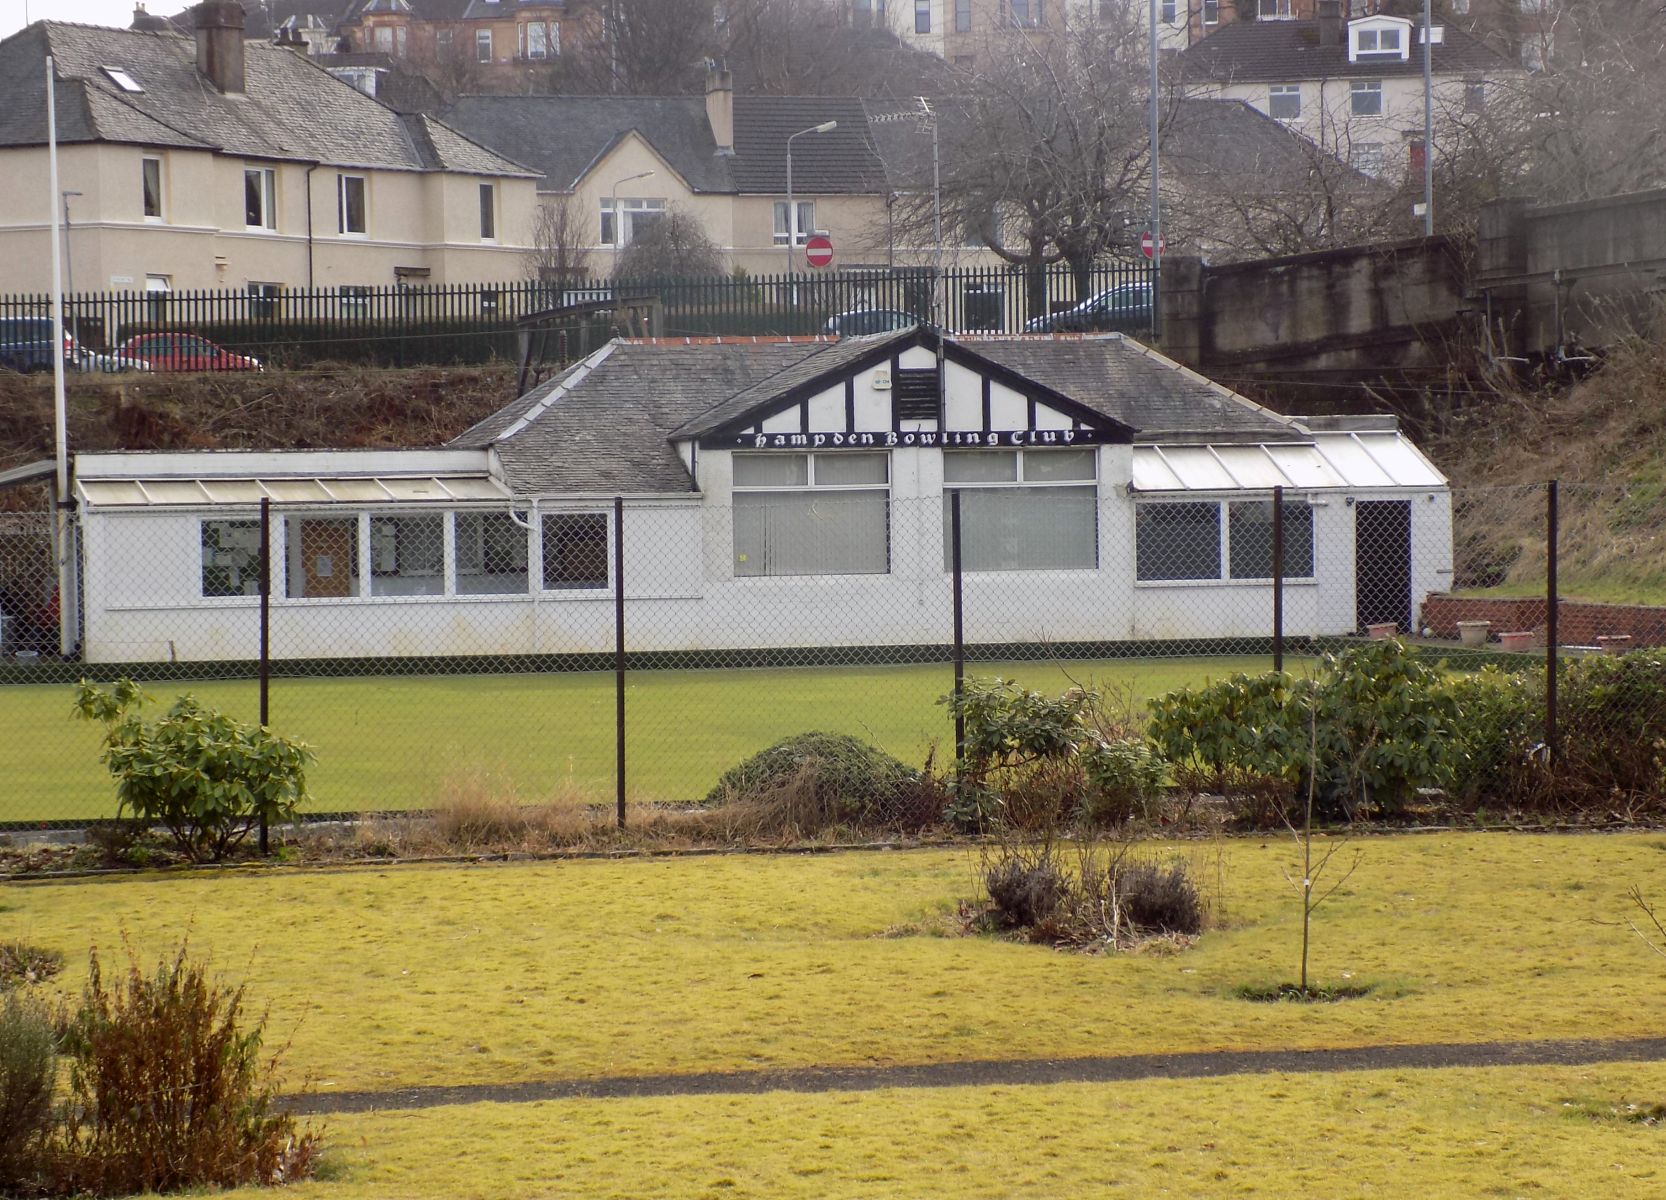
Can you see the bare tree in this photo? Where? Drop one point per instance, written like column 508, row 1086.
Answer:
column 560, row 233
column 673, row 244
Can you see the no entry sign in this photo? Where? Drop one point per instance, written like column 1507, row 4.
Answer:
column 818, row 250
column 1150, row 250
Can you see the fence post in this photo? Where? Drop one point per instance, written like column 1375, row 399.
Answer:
column 619, row 657
column 1552, row 605
column 959, row 626
column 265, row 638
column 1278, row 578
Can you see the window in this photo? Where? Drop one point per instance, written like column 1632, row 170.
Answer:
column 1460, row 8
column 491, row 554
column 1475, row 95
column 1535, row 51
column 812, row 514
column 1368, row 158
column 963, row 16
column 576, row 551
column 1170, row 12
column 1184, row 540
column 1366, row 96
column 867, row 14
column 350, row 213
column 1211, row 12
column 321, row 557
column 488, row 212
column 1284, row 101
column 536, row 38
column 922, row 16
column 263, row 299
column 1378, row 43
column 390, row 39
column 806, row 221
column 355, row 299
column 122, row 79
column 442, row 39
column 407, row 555
column 483, row 45
column 231, row 558
column 1272, row 9
column 260, row 187
column 1030, row 510
column 1024, row 14
column 150, row 179
column 490, row 298
column 634, row 215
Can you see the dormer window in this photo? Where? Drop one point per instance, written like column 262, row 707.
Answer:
column 1378, row 40
column 122, row 79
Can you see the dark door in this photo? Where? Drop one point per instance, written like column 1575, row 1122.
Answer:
column 1382, row 562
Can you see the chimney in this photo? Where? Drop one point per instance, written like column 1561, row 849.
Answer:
column 720, row 107
column 1330, row 22
column 219, row 25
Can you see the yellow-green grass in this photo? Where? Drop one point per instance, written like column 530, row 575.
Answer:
column 1439, row 1135
column 493, row 973
column 391, row 742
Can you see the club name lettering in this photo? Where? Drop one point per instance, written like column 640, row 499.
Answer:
column 919, row 438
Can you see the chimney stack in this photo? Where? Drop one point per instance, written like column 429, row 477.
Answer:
column 1330, row 22
column 219, row 26
column 720, row 107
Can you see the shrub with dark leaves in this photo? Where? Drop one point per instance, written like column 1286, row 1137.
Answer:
column 1157, row 899
column 1024, row 892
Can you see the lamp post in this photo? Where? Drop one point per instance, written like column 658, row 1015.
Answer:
column 1156, row 182
column 1428, row 124
column 69, row 274
column 618, row 225
column 792, row 209
column 926, row 116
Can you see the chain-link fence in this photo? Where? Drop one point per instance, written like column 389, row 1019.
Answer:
column 619, row 652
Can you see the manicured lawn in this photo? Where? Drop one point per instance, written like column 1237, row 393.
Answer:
column 393, row 742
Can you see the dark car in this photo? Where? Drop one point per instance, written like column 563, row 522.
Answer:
column 860, row 321
column 1124, row 309
column 26, row 343
column 185, row 352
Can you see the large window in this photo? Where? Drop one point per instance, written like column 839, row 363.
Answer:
column 576, row 551
column 922, row 16
column 407, row 555
column 536, row 39
column 322, row 557
column 812, row 514
column 1213, row 539
column 1273, row 9
column 1284, row 101
column 630, row 219
column 150, row 177
column 1024, row 14
column 491, row 554
column 1366, row 97
column 483, row 45
column 231, row 558
column 806, row 221
column 350, row 205
column 260, row 198
column 963, row 16
column 1030, row 510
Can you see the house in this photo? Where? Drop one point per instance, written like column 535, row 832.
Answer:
column 215, row 162
column 496, row 43
column 1352, row 86
column 618, row 163
column 779, row 494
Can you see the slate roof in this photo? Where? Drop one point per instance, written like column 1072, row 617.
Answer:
column 1286, row 51
column 262, row 18
column 564, row 136
column 291, row 109
column 606, row 425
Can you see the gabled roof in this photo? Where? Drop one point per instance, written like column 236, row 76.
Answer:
column 291, row 108
column 565, row 136
column 1287, row 51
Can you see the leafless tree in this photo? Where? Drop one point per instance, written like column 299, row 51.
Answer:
column 674, row 244
column 560, row 233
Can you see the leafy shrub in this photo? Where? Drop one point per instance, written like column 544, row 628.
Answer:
column 1024, row 892
column 205, row 777
column 1496, row 738
column 1124, row 777
column 28, row 1067
column 169, row 1090
column 1612, row 725
column 1153, row 898
column 843, row 776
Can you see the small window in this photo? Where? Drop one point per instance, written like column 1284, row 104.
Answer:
column 231, row 558
column 488, row 212
column 1177, row 541
column 263, row 299
column 1024, row 14
column 122, row 79
column 806, row 222
column 1366, row 97
column 350, row 205
column 1169, row 13
column 1211, row 12
column 491, row 554
column 1378, row 43
column 1273, row 9
column 150, row 179
column 260, row 208
column 1284, row 101
column 1250, row 539
column 537, row 40
column 355, row 299
column 407, row 555
column 963, row 16
column 922, row 16
column 483, row 45
column 1475, row 95
column 576, row 551
column 1368, row 158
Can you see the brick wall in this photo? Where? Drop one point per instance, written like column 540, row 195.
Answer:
column 1579, row 623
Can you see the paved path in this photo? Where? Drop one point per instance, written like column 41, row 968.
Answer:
column 1012, row 1072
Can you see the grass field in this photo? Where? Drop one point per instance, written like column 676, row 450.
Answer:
column 392, row 742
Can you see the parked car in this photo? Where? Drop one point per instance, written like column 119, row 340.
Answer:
column 1124, row 309
column 859, row 321
column 26, row 345
column 185, row 352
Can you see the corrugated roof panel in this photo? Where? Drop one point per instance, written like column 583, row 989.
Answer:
column 1250, row 467
column 476, row 488
column 292, row 490
column 1151, row 473
column 113, row 491
column 1305, row 467
column 1198, row 469
column 1349, row 459
column 330, row 490
column 1336, row 461
column 360, row 491
column 234, row 491
column 1400, row 459
column 173, row 491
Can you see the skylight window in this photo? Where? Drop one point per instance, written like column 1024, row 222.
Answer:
column 122, row 79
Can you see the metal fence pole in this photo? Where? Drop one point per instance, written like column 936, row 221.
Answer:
column 265, row 637
column 1278, row 578
column 959, row 626
column 619, row 656
column 1552, row 605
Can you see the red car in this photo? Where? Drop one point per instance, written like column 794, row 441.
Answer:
column 185, row 352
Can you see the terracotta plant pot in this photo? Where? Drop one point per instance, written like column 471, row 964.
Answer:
column 1474, row 633
column 1516, row 641
column 1614, row 643
column 1382, row 630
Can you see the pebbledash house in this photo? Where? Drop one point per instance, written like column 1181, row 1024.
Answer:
column 779, row 493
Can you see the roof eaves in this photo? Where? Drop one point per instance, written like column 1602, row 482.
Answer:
column 614, row 143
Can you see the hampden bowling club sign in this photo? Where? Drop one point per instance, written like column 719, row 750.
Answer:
column 910, row 439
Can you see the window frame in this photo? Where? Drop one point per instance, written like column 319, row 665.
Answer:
column 623, row 218
column 483, row 45
column 458, row 574
column 545, row 520
column 1020, row 482
column 150, row 172
column 1358, row 88
column 265, row 181
column 488, row 213
column 249, row 570
column 437, row 573
column 343, row 206
column 922, row 16
column 1223, row 506
column 809, row 488
column 806, row 229
column 1284, row 91
column 963, row 16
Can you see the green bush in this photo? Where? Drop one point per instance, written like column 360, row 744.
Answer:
column 853, row 782
column 28, row 1068
column 205, row 777
column 1497, row 737
column 1125, row 777
column 1612, row 729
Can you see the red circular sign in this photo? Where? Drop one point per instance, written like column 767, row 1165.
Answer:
column 1146, row 248
column 818, row 250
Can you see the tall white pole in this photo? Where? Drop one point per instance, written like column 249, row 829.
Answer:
column 1428, row 123
column 1156, row 181
column 64, row 547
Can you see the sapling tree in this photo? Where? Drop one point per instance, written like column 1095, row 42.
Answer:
column 1313, row 869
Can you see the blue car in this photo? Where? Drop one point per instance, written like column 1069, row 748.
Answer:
column 1124, row 309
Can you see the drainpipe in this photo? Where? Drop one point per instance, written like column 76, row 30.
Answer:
column 308, row 190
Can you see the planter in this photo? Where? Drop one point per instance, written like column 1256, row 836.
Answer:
column 1516, row 641
column 1614, row 643
column 1474, row 633
column 1381, row 631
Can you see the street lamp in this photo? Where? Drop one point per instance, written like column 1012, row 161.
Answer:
column 926, row 117
column 792, row 209
column 618, row 225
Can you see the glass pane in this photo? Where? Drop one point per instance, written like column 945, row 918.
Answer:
column 1250, row 534
column 980, row 466
column 321, row 556
column 491, row 555
column 407, row 555
column 253, row 210
column 772, row 470
column 1024, row 529
column 812, row 533
column 153, row 187
column 231, row 558
column 576, row 550
column 835, row 470
column 1177, row 541
column 1040, row 465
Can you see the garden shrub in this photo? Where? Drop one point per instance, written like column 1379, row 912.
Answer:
column 1125, row 777
column 168, row 1088
column 1496, row 736
column 1612, row 729
column 28, row 1069
column 841, row 777
column 1024, row 891
column 1156, row 899
column 206, row 778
